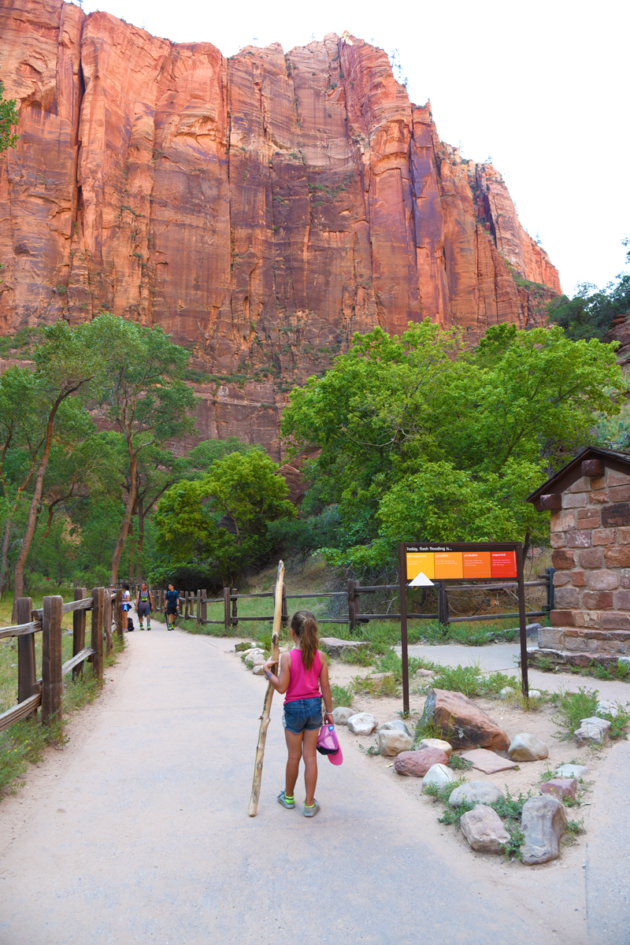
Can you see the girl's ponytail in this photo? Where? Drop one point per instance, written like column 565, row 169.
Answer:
column 304, row 625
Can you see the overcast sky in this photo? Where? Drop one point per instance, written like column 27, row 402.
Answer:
column 540, row 87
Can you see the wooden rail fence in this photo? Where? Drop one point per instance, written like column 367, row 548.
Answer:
column 47, row 692
column 193, row 605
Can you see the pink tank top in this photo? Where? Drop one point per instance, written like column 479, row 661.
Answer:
column 304, row 683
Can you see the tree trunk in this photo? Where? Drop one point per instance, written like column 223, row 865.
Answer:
column 131, row 501
column 140, row 545
column 132, row 554
column 4, row 562
column 33, row 511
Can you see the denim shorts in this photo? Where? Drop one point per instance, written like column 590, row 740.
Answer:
column 303, row 715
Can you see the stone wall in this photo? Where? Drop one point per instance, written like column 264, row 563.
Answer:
column 590, row 536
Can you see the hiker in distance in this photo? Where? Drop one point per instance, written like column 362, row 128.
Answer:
column 144, row 605
column 172, row 606
column 303, row 676
column 126, row 606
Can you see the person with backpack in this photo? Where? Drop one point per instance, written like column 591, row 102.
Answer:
column 172, row 606
column 144, row 605
column 303, row 676
column 126, row 606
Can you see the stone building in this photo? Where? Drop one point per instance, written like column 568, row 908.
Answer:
column 589, row 501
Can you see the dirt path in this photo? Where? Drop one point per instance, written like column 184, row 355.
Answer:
column 138, row 832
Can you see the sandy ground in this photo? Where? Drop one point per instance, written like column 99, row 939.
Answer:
column 138, row 831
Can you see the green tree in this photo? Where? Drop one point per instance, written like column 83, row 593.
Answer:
column 224, row 516
column 9, row 117
column 143, row 396
column 589, row 314
column 400, row 415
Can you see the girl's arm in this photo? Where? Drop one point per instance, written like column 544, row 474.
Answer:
column 324, row 683
column 280, row 682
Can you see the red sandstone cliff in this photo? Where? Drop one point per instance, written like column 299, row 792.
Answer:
column 261, row 207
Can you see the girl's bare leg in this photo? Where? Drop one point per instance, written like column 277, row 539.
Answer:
column 294, row 747
column 309, row 751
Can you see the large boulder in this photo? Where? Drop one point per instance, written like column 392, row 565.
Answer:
column 543, row 822
column 476, row 792
column 392, row 741
column 415, row 764
column 363, row 723
column 341, row 715
column 462, row 722
column 336, row 647
column 439, row 775
column 484, row 830
column 593, row 731
column 526, row 747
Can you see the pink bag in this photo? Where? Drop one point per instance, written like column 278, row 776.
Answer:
column 328, row 744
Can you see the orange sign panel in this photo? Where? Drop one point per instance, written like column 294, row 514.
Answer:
column 417, row 562
column 477, row 564
column 448, row 565
column 503, row 564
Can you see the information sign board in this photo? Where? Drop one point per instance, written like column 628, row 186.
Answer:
column 425, row 563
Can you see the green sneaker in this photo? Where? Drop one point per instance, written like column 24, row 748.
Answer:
column 311, row 811
column 282, row 799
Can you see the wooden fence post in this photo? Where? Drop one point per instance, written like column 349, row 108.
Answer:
column 284, row 619
column 78, row 630
column 26, row 653
column 351, row 620
column 227, row 615
column 107, row 622
column 235, row 607
column 98, row 606
column 52, row 677
column 357, row 602
column 198, row 617
column 204, row 606
column 118, row 612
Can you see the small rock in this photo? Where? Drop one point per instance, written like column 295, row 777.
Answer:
column 484, row 830
column 607, row 708
column 543, row 822
column 394, row 724
column 392, row 741
column 437, row 774
column 415, row 764
column 593, row 731
column 561, row 787
column 526, row 747
column 258, row 669
column 363, row 723
column 436, row 743
column 477, row 792
column 488, row 761
column 535, row 694
column 507, row 692
column 341, row 715
column 463, row 723
column 425, row 673
column 572, row 771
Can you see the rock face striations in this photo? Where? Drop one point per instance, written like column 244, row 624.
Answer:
column 260, row 208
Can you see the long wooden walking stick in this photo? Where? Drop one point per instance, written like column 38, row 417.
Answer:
column 264, row 718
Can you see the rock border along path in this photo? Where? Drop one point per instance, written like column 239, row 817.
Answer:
column 138, row 832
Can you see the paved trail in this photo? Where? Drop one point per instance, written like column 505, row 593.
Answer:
column 138, row 832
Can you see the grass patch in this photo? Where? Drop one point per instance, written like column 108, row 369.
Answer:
column 470, row 681
column 572, row 708
column 457, row 763
column 341, row 696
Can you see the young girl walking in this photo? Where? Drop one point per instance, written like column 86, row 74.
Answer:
column 303, row 675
